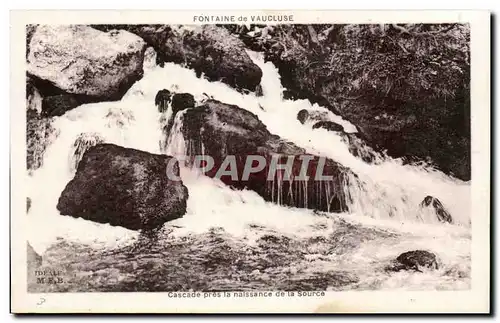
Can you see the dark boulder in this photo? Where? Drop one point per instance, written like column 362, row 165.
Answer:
column 33, row 258
column 162, row 99
column 181, row 101
column 28, row 204
column 416, row 260
column 230, row 135
column 124, row 187
column 208, row 49
column 437, row 206
column 328, row 125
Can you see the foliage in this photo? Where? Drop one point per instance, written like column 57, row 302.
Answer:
column 406, row 86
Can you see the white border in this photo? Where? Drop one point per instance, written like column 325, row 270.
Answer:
column 475, row 300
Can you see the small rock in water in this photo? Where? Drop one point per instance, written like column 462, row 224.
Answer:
column 302, row 116
column 162, row 99
column 442, row 214
column 328, row 125
column 415, row 260
column 181, row 101
column 83, row 142
column 312, row 115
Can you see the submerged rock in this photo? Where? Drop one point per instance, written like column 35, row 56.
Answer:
column 234, row 137
column 360, row 148
column 414, row 260
column 441, row 213
column 328, row 125
column 85, row 63
column 181, row 101
column 162, row 99
column 417, row 259
column 124, row 187
column 309, row 115
column 208, row 49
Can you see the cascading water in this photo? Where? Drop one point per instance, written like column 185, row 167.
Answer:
column 384, row 216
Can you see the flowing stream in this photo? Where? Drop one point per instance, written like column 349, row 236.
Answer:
column 234, row 240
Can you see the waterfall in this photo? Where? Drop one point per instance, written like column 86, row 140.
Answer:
column 385, row 193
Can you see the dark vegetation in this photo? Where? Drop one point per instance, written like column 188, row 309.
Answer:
column 406, row 87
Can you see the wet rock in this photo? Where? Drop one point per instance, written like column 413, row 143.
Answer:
column 360, row 148
column 33, row 97
column 258, row 91
column 208, row 49
column 57, row 105
column 30, row 29
column 71, row 58
column 162, row 99
column 441, row 213
column 319, row 118
column 124, row 187
column 39, row 134
column 230, row 135
column 33, row 258
column 181, row 101
column 415, row 260
column 310, row 115
column 302, row 116
column 328, row 125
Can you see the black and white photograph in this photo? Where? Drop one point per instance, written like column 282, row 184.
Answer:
column 229, row 159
